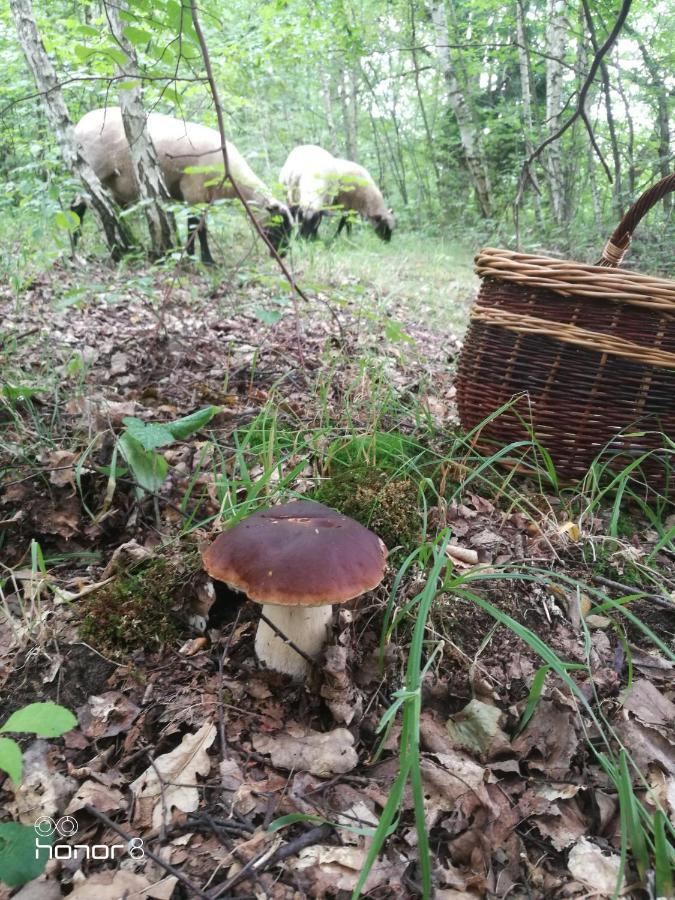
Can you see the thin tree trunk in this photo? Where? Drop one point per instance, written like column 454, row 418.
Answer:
column 555, row 47
column 469, row 128
column 152, row 189
column 347, row 120
column 526, row 94
column 662, row 119
column 117, row 235
column 431, row 147
column 617, row 195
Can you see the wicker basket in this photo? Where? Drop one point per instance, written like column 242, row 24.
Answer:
column 590, row 349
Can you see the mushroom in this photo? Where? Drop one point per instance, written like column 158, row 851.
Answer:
column 296, row 559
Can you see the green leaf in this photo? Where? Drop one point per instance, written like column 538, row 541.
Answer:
column 67, row 220
column 149, row 468
column 136, row 36
column 44, row 719
column 268, row 316
column 118, row 55
column 148, row 434
column 15, row 392
column 181, row 428
column 10, row 759
column 21, row 859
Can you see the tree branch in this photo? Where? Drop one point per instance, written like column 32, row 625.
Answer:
column 580, row 111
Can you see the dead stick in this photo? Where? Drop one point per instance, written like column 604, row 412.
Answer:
column 279, row 633
column 659, row 599
column 198, row 892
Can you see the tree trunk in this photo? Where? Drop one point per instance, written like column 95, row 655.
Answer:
column 617, row 194
column 152, row 189
column 555, row 47
column 469, row 128
column 117, row 235
column 431, row 147
column 526, row 95
column 662, row 119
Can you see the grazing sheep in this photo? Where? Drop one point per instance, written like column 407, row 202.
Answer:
column 357, row 192
column 309, row 176
column 180, row 146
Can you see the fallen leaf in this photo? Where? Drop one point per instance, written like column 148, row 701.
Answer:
column 112, row 886
column 323, row 871
column 476, row 728
column 43, row 791
column 177, row 770
column 101, row 797
column 324, row 754
column 589, row 865
column 106, row 715
column 549, row 740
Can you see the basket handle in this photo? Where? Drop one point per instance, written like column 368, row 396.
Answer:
column 619, row 242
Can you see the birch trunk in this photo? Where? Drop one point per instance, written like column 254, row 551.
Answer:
column 555, row 47
column 526, row 95
column 152, row 190
column 469, row 128
column 117, row 235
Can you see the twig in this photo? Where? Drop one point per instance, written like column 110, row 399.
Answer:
column 221, row 664
column 580, row 111
column 658, row 599
column 228, row 175
column 153, row 856
column 279, row 633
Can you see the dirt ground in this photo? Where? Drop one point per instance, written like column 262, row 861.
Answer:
column 184, row 740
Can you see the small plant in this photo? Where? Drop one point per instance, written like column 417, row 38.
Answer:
column 20, row 861
column 139, row 441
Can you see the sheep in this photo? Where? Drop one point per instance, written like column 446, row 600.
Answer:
column 310, row 177
column 358, row 192
column 180, row 146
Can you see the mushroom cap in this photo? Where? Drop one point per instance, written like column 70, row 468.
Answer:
column 298, row 554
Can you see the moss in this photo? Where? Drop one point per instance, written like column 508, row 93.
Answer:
column 140, row 609
column 388, row 506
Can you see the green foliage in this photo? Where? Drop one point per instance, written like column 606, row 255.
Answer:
column 20, row 859
column 138, row 442
column 43, row 719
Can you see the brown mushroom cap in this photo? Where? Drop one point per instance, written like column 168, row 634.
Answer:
column 298, row 554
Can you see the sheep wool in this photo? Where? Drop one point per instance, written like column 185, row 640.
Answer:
column 191, row 159
column 309, row 177
column 358, row 192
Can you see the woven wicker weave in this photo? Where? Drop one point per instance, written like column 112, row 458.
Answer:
column 591, row 349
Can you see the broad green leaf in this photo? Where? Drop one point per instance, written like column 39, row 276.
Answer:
column 10, row 759
column 15, row 392
column 118, row 55
column 148, row 434
column 268, row 316
column 21, row 859
column 187, row 425
column 44, row 719
column 67, row 220
column 149, row 468
column 136, row 36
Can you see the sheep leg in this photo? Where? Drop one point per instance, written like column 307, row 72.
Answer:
column 344, row 223
column 79, row 207
column 196, row 226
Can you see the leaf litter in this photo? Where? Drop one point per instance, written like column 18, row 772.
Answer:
column 192, row 747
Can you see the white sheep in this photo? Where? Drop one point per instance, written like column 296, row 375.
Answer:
column 358, row 193
column 310, row 178
column 180, row 146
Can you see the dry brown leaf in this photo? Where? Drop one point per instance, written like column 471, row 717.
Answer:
column 323, row 870
column 106, row 715
column 331, row 753
column 589, row 865
column 649, row 705
column 178, row 771
column 43, row 790
column 112, row 885
column 91, row 793
column 476, row 728
column 338, row 690
column 549, row 740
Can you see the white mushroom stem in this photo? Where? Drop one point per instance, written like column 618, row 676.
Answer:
column 306, row 626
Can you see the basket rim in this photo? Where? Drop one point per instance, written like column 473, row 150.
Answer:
column 571, row 278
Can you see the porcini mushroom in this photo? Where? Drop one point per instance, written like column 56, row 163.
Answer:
column 297, row 560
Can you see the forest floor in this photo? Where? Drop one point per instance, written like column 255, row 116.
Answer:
column 532, row 681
